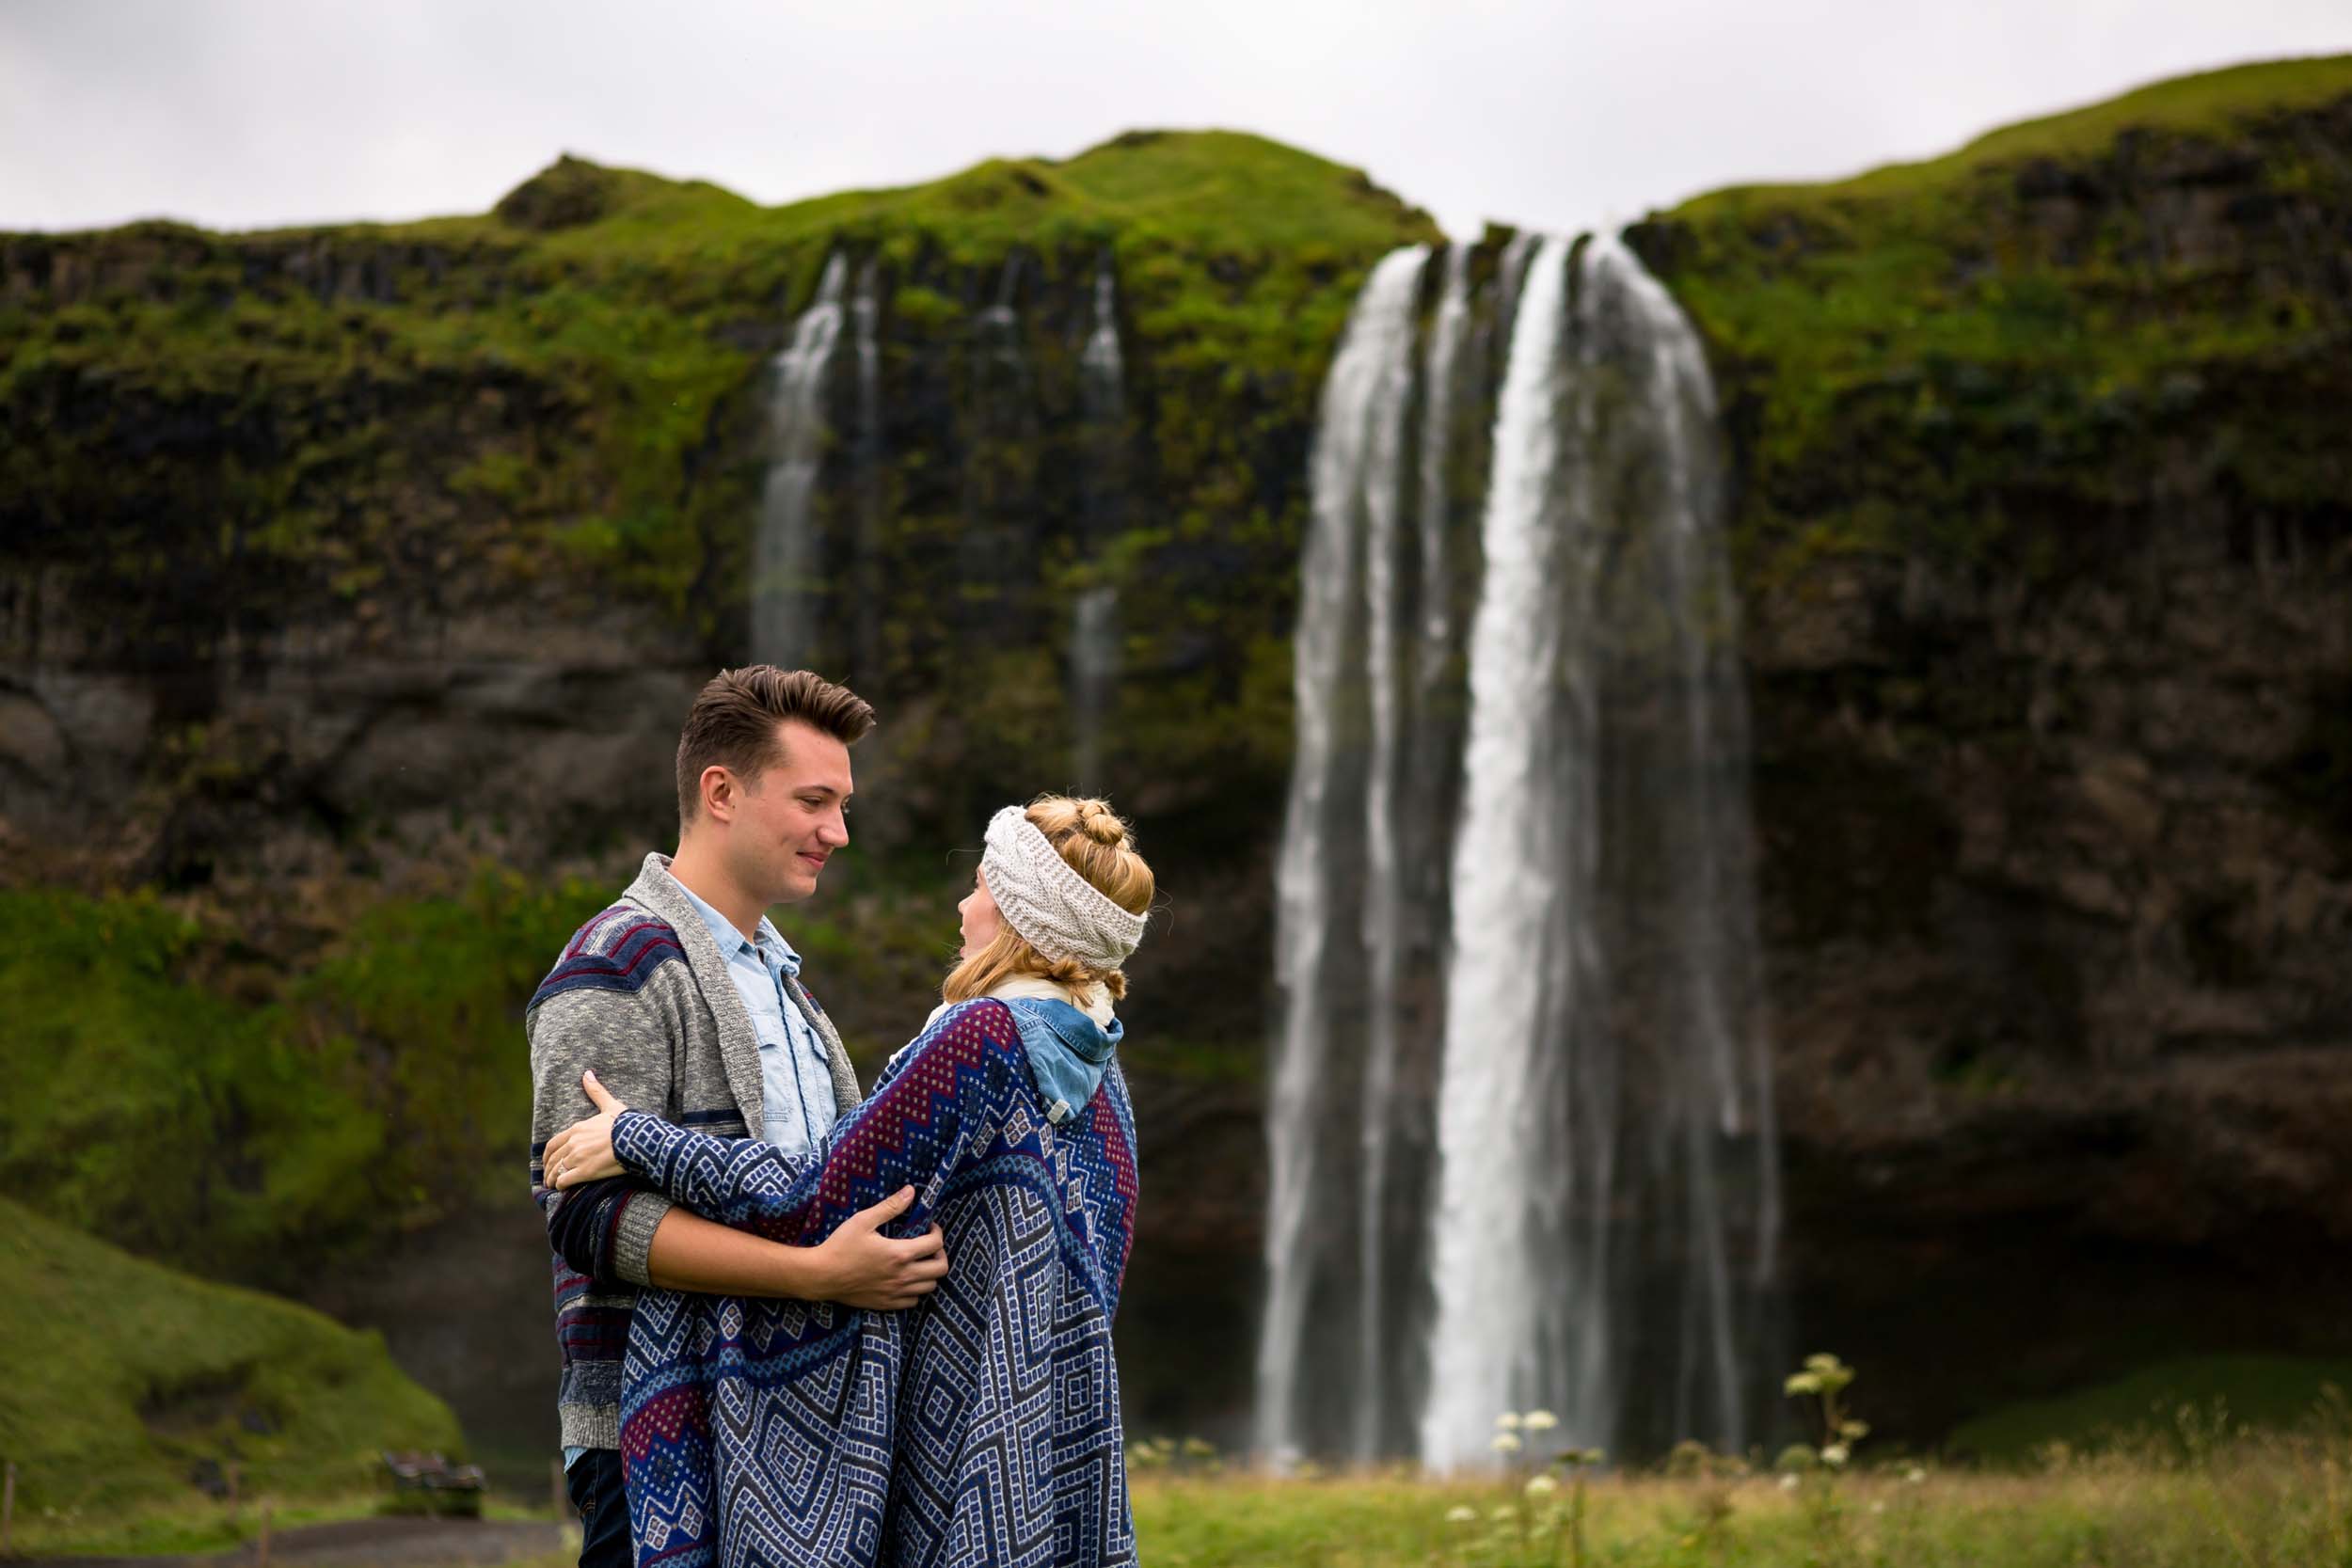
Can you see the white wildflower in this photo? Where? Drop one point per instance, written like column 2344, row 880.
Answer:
column 1460, row 1514
column 1540, row 1421
column 1834, row 1456
column 1788, row 1483
column 1505, row 1442
column 1539, row 1486
column 1507, row 1421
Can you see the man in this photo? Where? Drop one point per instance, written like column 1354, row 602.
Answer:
column 684, row 1000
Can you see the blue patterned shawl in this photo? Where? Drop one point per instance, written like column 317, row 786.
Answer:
column 981, row 1427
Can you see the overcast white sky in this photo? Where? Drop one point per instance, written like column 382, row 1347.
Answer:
column 251, row 113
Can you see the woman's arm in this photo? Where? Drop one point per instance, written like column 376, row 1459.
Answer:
column 746, row 1183
column 951, row 1090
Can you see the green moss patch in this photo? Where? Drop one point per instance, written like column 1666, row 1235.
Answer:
column 175, row 1094
column 132, row 1390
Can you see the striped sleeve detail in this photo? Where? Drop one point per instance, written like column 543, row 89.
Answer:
column 619, row 951
column 591, row 1331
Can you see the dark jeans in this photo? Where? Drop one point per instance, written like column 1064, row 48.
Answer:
column 595, row 1485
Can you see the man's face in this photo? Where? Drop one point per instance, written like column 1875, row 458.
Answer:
column 791, row 817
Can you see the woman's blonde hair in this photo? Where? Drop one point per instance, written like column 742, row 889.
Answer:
column 1098, row 845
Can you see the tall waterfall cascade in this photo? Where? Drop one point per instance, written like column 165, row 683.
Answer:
column 1520, row 1131
column 1359, row 446
column 785, row 550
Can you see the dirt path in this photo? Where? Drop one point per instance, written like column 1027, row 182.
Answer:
column 364, row 1544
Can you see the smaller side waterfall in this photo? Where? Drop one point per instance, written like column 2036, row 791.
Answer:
column 1094, row 628
column 865, row 321
column 1105, row 368
column 785, row 559
column 999, row 325
column 1000, row 422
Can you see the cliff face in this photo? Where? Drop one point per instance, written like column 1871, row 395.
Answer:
column 2047, row 533
column 305, row 509
column 340, row 561
column 343, row 562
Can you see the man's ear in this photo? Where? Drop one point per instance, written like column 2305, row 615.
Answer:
column 720, row 791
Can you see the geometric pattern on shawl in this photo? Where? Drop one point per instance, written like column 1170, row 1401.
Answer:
column 980, row 1426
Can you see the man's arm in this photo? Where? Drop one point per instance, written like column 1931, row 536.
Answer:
column 601, row 1009
column 856, row 1265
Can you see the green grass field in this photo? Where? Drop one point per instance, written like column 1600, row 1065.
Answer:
column 2288, row 1505
column 2272, row 1510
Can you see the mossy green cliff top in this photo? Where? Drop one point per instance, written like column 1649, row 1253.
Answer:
column 329, row 405
column 1999, row 358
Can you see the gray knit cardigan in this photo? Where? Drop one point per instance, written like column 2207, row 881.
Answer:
column 642, row 996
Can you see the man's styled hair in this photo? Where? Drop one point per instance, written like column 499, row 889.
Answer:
column 733, row 724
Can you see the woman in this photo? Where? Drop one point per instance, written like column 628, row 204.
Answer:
column 982, row 1426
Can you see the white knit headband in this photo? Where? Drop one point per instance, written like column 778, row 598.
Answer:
column 1047, row 903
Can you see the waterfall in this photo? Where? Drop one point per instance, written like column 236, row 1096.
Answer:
column 1511, row 273
column 1401, row 787
column 1445, row 350
column 1094, row 622
column 1105, row 370
column 1569, row 977
column 784, row 565
column 1000, row 327
column 997, row 558
column 866, row 328
column 1359, row 447
column 1603, row 1056
column 1505, row 897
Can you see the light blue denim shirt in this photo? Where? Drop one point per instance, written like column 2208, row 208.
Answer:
column 795, row 1080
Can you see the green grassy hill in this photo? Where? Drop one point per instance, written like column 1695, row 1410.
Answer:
column 2210, row 104
column 131, row 1388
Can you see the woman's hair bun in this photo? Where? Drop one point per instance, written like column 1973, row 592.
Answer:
column 1100, row 823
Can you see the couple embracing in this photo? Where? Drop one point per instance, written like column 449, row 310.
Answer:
column 803, row 1325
